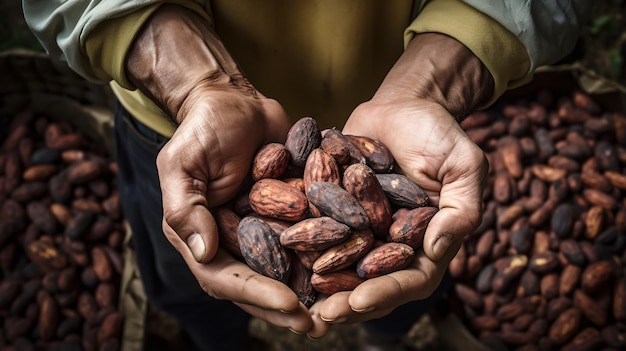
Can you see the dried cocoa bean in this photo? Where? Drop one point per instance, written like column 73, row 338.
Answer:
column 262, row 250
column 384, row 259
column 343, row 255
column 336, row 202
column 271, row 161
column 377, row 155
column 361, row 182
column 276, row 199
column 330, row 283
column 303, row 136
column 401, row 191
column 314, row 234
column 411, row 226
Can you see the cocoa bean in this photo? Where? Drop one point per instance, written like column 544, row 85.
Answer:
column 336, row 202
column 343, row 255
column 401, row 191
column 271, row 161
column 314, row 234
column 276, row 199
column 384, row 259
column 377, row 155
column 333, row 282
column 262, row 250
column 302, row 138
column 361, row 182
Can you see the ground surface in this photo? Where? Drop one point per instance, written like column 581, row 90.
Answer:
column 602, row 49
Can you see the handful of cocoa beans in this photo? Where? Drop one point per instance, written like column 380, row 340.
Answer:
column 325, row 212
column 61, row 237
column 546, row 268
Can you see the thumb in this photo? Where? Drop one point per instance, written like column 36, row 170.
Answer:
column 185, row 211
column 460, row 213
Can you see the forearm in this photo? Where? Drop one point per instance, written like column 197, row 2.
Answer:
column 439, row 68
column 175, row 51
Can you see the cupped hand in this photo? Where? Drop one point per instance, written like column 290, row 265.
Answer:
column 204, row 165
column 431, row 149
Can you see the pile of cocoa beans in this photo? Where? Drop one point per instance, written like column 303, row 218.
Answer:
column 61, row 238
column 325, row 211
column 546, row 268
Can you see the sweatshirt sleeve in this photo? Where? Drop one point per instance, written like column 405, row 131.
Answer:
column 511, row 54
column 68, row 30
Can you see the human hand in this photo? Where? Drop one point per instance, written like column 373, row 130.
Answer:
column 204, row 165
column 431, row 148
column 179, row 62
column 438, row 156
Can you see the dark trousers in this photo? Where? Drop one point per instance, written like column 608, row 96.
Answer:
column 212, row 324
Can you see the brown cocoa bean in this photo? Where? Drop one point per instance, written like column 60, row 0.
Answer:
column 262, row 250
column 565, row 326
column 469, row 296
column 410, row 227
column 308, row 258
column 336, row 202
column 544, row 262
column 334, row 282
column 569, row 279
column 401, row 191
column 596, row 276
column 46, row 255
column 101, row 264
column 384, row 259
column 563, row 219
column 320, row 167
column 511, row 153
column 314, row 234
column 589, row 308
column 587, row 339
column 300, row 282
column 85, row 171
column 336, row 148
column 377, row 155
column 227, row 222
column 360, row 181
column 303, row 136
column 111, row 327
column 270, row 161
column 276, row 199
column 345, row 254
column 338, row 137
column 49, row 317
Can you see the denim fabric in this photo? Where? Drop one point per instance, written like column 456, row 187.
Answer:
column 211, row 324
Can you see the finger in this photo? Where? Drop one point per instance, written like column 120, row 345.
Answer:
column 337, row 310
column 185, row 206
column 298, row 321
column 378, row 296
column 460, row 206
column 226, row 278
column 319, row 327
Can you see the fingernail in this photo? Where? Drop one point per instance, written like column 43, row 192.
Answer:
column 312, row 338
column 338, row 320
column 196, row 245
column 441, row 244
column 295, row 332
column 365, row 310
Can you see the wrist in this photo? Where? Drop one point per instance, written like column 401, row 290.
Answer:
column 438, row 68
column 177, row 52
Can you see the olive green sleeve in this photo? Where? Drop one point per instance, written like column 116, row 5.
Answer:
column 108, row 44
